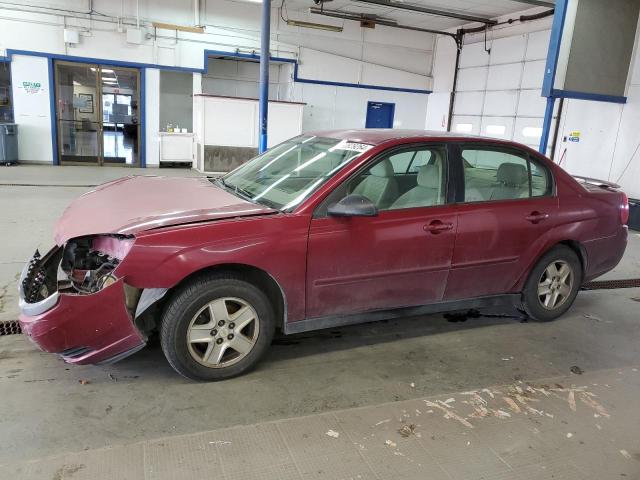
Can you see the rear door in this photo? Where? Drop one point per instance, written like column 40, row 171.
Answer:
column 401, row 257
column 507, row 205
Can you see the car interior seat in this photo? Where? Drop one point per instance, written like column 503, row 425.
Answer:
column 427, row 192
column 380, row 186
column 513, row 182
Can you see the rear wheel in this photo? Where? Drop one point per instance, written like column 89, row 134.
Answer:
column 216, row 327
column 553, row 284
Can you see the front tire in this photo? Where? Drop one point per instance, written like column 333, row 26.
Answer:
column 216, row 327
column 553, row 284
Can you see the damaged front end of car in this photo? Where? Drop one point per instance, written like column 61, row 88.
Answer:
column 74, row 303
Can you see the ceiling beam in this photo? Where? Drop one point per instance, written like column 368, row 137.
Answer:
column 428, row 10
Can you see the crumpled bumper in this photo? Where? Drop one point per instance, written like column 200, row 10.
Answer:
column 83, row 328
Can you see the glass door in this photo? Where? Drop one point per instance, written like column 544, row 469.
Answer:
column 97, row 114
column 78, row 113
column 120, row 115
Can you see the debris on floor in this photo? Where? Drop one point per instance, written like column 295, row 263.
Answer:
column 625, row 454
column 391, row 444
column 577, row 370
column 386, row 420
column 412, row 385
column 407, row 430
column 84, row 382
column 333, row 433
column 569, row 435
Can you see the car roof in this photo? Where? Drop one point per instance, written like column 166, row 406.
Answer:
column 376, row 136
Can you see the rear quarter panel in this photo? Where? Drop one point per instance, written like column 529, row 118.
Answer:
column 275, row 243
column 590, row 218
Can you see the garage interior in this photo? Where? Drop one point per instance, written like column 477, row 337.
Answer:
column 101, row 90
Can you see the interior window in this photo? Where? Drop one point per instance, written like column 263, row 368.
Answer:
column 498, row 175
column 414, row 178
column 410, row 162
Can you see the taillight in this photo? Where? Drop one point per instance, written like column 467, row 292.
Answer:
column 624, row 209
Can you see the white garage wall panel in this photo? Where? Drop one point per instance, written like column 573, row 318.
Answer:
column 498, row 92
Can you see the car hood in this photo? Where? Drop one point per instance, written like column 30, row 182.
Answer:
column 136, row 203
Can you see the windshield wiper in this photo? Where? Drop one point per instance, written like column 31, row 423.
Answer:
column 235, row 189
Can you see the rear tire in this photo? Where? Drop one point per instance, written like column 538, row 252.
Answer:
column 553, row 284
column 216, row 326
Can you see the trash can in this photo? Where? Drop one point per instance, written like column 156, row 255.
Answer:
column 8, row 143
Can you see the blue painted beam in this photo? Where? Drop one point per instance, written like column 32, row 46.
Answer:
column 595, row 97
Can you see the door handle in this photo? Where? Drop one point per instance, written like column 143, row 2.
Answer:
column 536, row 217
column 437, row 227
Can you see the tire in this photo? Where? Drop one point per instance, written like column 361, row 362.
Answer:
column 207, row 332
column 544, row 281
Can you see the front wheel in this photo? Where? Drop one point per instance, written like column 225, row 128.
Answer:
column 216, row 327
column 553, row 284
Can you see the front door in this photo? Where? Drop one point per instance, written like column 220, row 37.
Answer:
column 508, row 208
column 399, row 258
column 97, row 114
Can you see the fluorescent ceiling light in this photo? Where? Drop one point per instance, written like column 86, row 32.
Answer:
column 317, row 26
column 104, row 70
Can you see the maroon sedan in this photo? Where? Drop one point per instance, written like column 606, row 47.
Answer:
column 326, row 229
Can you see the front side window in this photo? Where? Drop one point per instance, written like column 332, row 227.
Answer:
column 287, row 174
column 409, row 179
column 499, row 175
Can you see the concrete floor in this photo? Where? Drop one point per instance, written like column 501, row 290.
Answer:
column 138, row 419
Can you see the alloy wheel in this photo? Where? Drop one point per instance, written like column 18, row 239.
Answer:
column 223, row 332
column 555, row 285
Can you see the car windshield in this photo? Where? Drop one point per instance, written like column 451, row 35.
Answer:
column 288, row 173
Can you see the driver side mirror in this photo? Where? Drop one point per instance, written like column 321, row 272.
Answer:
column 353, row 206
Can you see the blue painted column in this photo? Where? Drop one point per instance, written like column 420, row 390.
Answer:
column 546, row 125
column 551, row 68
column 264, row 74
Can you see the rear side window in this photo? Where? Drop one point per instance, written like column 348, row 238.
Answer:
column 491, row 175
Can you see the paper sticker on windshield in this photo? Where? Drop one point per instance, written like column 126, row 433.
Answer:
column 355, row 147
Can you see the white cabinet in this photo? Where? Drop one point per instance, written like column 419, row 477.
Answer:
column 176, row 147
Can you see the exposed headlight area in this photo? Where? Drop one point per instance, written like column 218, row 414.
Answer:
column 83, row 266
column 89, row 263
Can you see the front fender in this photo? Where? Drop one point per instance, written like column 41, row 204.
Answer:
column 276, row 244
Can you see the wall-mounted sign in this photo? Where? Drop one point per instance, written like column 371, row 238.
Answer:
column 32, row 87
column 574, row 136
column 86, row 101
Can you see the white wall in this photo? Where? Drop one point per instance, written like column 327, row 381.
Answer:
column 331, row 107
column 31, row 108
column 382, row 56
